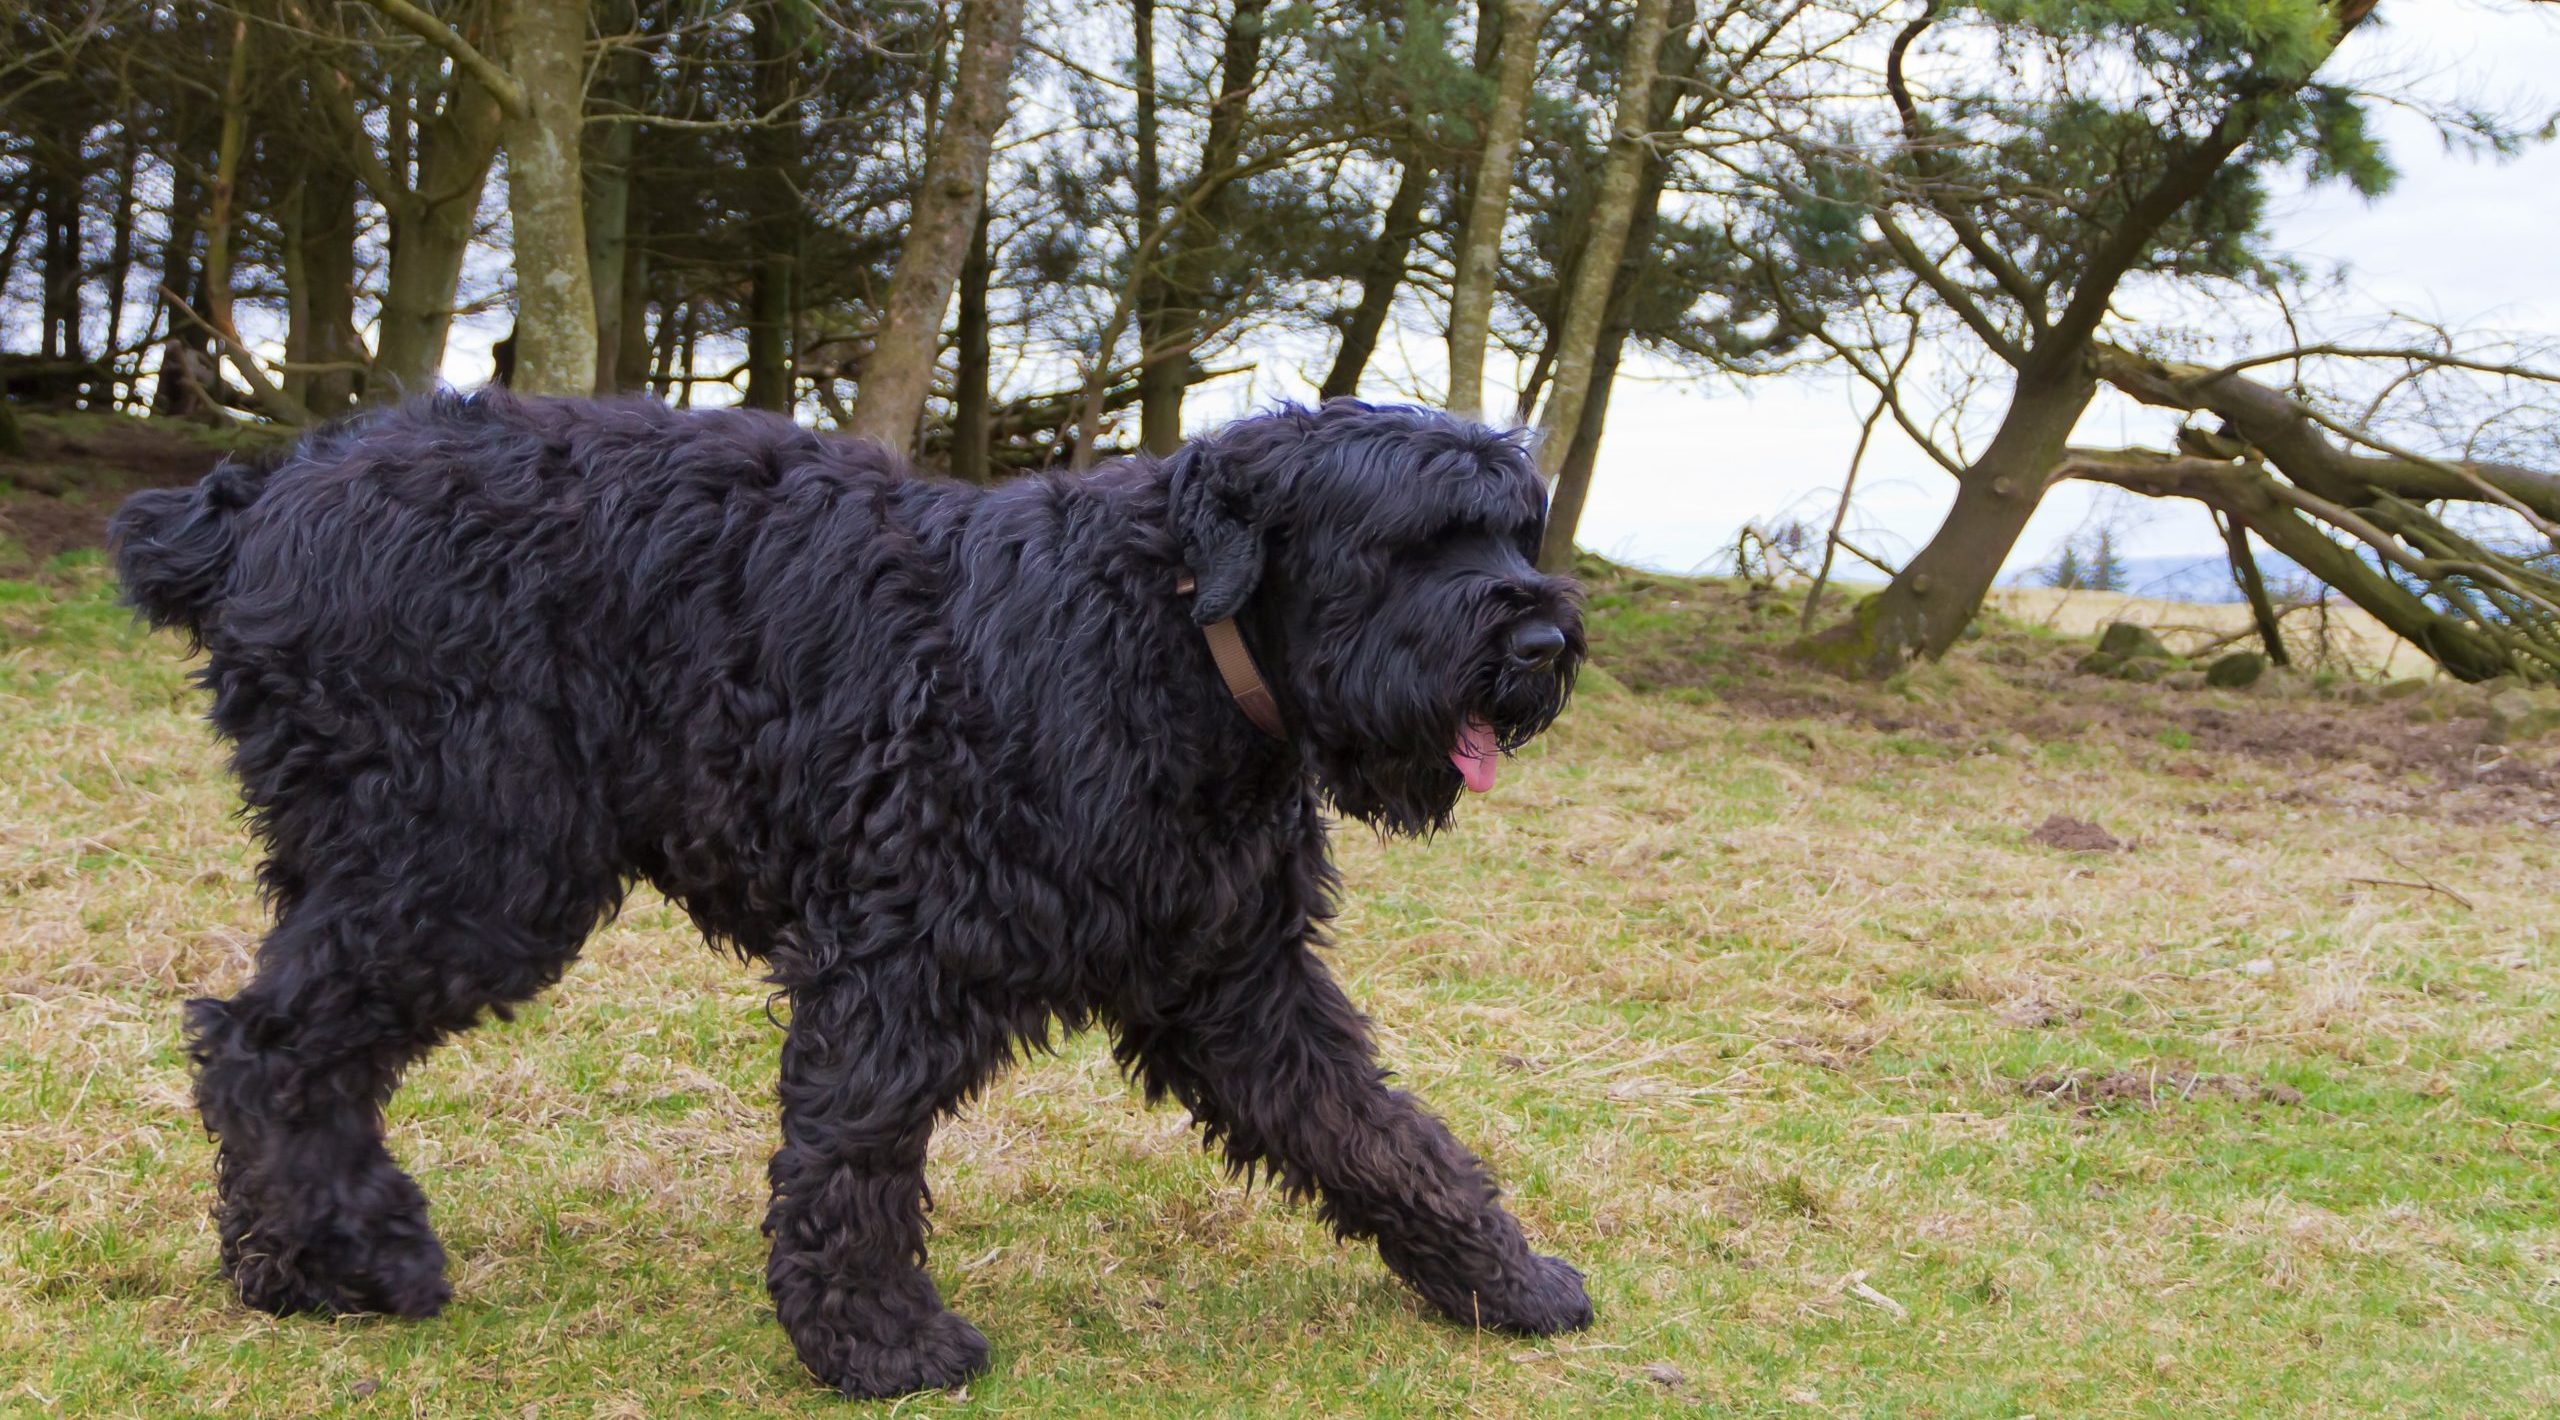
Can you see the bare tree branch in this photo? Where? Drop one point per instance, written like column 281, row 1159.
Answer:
column 501, row 85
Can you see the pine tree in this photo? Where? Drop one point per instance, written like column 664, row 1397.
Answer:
column 2106, row 567
column 2014, row 200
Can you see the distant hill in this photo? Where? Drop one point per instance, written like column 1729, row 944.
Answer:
column 2179, row 578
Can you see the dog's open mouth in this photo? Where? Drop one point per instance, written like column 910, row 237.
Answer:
column 1478, row 755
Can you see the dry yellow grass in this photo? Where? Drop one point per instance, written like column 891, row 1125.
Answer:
column 1747, row 1009
column 2351, row 632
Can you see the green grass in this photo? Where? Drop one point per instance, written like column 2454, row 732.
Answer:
column 1759, row 1012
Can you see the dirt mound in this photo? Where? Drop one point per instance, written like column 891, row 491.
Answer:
column 58, row 496
column 2073, row 835
column 2149, row 1086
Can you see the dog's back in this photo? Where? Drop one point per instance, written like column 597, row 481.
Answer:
column 622, row 631
column 456, row 480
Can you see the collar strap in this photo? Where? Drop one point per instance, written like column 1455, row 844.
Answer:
column 1236, row 668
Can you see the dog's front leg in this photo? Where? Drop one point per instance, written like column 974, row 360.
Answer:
column 865, row 1073
column 1276, row 1065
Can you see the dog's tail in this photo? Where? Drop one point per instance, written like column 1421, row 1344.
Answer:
column 173, row 546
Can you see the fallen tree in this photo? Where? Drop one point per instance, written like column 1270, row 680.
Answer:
column 2459, row 554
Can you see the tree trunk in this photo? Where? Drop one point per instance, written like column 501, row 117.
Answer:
column 431, row 227
column 1489, row 204
column 621, row 76
column 229, row 151
column 1626, row 283
column 1573, row 475
column 120, row 246
column 1383, row 273
column 1199, row 236
column 64, row 270
column 1612, row 214
column 324, row 305
column 185, row 351
column 555, row 299
column 631, row 361
column 2244, row 571
column 1159, row 419
column 686, row 334
column 774, row 213
column 970, row 433
column 1931, row 601
column 941, row 229
column 662, row 358
column 21, row 217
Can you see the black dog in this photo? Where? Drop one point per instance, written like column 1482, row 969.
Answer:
column 955, row 763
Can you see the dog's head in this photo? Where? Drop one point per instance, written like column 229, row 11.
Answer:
column 1382, row 563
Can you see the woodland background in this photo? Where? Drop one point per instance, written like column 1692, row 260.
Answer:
column 1009, row 233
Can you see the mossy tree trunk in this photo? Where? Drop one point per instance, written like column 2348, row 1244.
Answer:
column 941, row 228
column 1587, row 304
column 1489, row 205
column 546, row 207
column 1927, row 606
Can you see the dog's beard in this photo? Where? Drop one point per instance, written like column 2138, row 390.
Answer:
column 1408, row 778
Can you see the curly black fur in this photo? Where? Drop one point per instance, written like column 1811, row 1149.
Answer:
column 954, row 763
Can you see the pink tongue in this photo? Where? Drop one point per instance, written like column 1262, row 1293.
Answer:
column 1477, row 755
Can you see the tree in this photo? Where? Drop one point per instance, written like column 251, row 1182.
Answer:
column 1578, row 337
column 2020, row 198
column 2458, row 552
column 775, row 226
column 1489, row 203
column 1192, row 236
column 1675, row 286
column 541, row 98
column 1408, row 64
column 941, row 229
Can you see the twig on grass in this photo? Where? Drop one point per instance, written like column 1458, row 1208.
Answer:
column 2423, row 883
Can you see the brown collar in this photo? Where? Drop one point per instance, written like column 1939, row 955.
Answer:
column 1236, row 668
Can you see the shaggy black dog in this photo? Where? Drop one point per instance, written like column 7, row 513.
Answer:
column 955, row 763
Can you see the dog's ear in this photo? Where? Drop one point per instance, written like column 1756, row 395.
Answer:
column 1219, row 518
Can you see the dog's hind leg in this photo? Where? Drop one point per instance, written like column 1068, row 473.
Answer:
column 356, row 982
column 1275, row 1063
column 866, row 1069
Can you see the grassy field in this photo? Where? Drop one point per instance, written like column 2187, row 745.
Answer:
column 1853, row 1098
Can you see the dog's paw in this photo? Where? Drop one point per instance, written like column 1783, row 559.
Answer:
column 402, row 1280
column 352, row 1249
column 1547, row 1300
column 941, row 1352
column 406, row 1280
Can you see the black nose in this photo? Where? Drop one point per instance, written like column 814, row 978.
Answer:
column 1536, row 644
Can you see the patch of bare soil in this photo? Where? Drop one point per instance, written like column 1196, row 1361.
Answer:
column 2150, row 1086
column 2073, row 835
column 57, row 498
